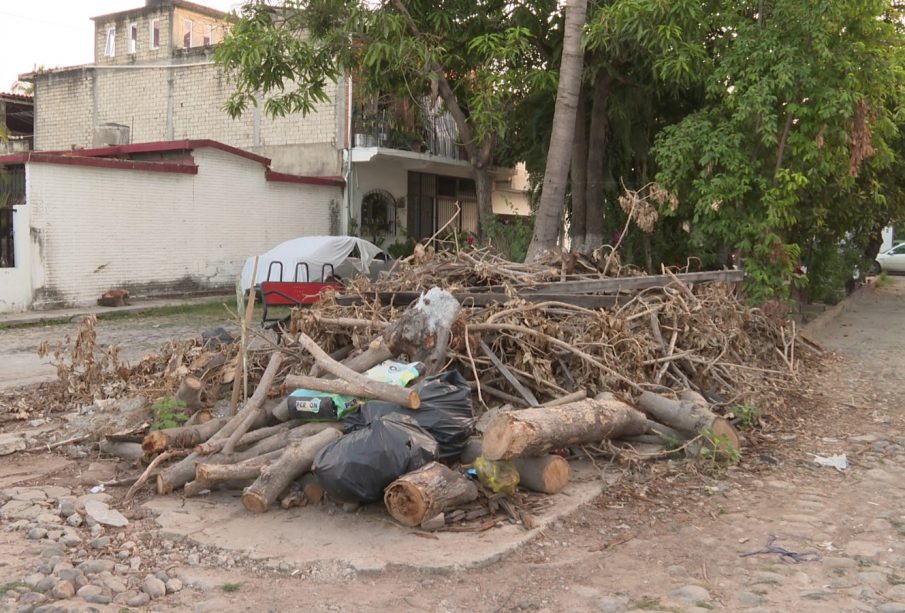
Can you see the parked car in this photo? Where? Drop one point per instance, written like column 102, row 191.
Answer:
column 311, row 259
column 891, row 260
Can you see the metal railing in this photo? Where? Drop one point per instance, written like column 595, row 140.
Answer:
column 436, row 135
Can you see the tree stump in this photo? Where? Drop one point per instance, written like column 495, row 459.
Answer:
column 189, row 392
column 534, row 432
column 426, row 492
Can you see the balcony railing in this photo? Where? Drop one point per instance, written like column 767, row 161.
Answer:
column 407, row 131
column 7, row 247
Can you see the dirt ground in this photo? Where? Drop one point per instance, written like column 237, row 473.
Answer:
column 665, row 538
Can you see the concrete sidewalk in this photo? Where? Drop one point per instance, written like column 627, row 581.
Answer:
column 28, row 318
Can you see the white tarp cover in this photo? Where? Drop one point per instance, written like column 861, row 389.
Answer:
column 315, row 251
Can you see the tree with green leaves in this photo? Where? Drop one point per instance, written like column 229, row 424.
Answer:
column 801, row 101
column 476, row 57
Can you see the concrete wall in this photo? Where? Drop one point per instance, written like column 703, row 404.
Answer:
column 152, row 233
column 168, row 102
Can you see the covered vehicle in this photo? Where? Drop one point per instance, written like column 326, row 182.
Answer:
column 312, row 258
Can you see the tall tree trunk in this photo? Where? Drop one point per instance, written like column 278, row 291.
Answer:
column 549, row 213
column 597, row 152
column 579, row 174
column 483, row 184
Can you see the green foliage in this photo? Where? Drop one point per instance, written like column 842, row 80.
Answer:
column 883, row 279
column 231, row 587
column 401, row 249
column 512, row 236
column 168, row 413
column 830, row 268
column 746, row 414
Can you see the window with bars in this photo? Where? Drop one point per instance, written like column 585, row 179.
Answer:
column 186, row 33
column 435, row 202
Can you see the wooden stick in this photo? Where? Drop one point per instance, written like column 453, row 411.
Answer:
column 166, row 455
column 507, row 374
column 254, row 407
column 246, row 321
column 573, row 397
column 247, row 439
column 358, row 384
column 402, row 396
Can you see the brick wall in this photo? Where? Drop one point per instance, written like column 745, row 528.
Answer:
column 165, row 103
column 98, row 229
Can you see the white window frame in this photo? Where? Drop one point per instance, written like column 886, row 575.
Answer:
column 191, row 28
column 155, row 24
column 110, row 42
column 132, row 42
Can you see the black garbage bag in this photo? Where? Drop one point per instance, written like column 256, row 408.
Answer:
column 358, row 466
column 446, row 412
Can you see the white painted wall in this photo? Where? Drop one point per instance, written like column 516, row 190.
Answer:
column 97, row 229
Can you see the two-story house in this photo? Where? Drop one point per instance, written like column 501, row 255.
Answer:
column 396, row 167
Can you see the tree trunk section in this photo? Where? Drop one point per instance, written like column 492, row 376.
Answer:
column 189, row 392
column 377, row 352
column 535, row 432
column 247, row 439
column 579, row 174
column 276, row 477
column 422, row 331
column 426, row 492
column 483, row 192
column 549, row 213
column 183, row 437
column 597, row 154
column 688, row 417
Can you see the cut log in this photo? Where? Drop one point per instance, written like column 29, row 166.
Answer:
column 423, row 330
column 664, row 432
column 312, row 489
column 426, row 492
column 534, row 432
column 189, row 392
column 688, row 417
column 249, row 469
column 254, row 408
column 547, row 474
column 276, row 477
column 351, row 382
column 183, row 437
